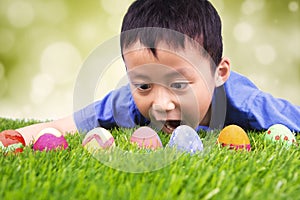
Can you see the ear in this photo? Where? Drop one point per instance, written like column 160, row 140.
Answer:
column 222, row 72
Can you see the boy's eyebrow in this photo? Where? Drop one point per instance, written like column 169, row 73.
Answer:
column 138, row 76
column 183, row 71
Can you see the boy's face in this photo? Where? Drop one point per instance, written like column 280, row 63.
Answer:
column 173, row 88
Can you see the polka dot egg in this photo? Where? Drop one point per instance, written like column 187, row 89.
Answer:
column 280, row 133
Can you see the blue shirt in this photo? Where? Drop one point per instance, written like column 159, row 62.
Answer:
column 246, row 106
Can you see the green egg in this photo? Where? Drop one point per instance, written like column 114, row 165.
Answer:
column 281, row 134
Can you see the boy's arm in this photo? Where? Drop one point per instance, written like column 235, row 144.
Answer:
column 65, row 125
column 253, row 109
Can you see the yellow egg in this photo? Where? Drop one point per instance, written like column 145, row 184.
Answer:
column 235, row 137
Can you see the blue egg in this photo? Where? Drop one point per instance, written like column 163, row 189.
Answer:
column 186, row 139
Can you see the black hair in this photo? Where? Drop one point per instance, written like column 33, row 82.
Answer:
column 197, row 19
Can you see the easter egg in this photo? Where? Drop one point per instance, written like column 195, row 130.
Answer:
column 185, row 139
column 280, row 133
column 146, row 137
column 234, row 137
column 49, row 139
column 98, row 138
column 11, row 141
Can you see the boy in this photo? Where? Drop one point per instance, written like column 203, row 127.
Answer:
column 177, row 76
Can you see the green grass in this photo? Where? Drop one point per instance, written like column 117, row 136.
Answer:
column 268, row 171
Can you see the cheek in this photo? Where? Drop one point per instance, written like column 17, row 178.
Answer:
column 189, row 109
column 204, row 100
column 195, row 104
column 143, row 104
column 203, row 105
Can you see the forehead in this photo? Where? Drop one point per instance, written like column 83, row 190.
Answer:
column 137, row 54
column 167, row 65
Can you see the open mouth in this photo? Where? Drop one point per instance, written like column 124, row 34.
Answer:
column 170, row 125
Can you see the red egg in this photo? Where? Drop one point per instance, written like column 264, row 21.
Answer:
column 146, row 137
column 11, row 141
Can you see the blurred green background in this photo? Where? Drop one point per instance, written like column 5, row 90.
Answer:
column 44, row 42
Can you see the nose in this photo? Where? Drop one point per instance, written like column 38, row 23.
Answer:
column 163, row 100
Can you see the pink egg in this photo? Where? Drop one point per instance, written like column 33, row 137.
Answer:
column 50, row 139
column 146, row 137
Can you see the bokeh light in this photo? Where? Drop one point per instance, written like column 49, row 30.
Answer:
column 60, row 61
column 115, row 7
column 52, row 12
column 243, row 32
column 41, row 87
column 293, row 6
column 20, row 13
column 251, row 6
column 44, row 43
column 265, row 54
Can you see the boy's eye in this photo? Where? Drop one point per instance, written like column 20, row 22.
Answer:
column 143, row 87
column 179, row 85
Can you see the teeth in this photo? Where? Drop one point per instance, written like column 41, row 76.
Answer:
column 169, row 127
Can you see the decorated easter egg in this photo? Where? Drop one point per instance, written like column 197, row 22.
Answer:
column 11, row 141
column 49, row 139
column 98, row 138
column 280, row 133
column 234, row 137
column 185, row 139
column 146, row 137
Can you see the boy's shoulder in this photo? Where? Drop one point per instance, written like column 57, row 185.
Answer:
column 240, row 89
column 240, row 95
column 236, row 78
